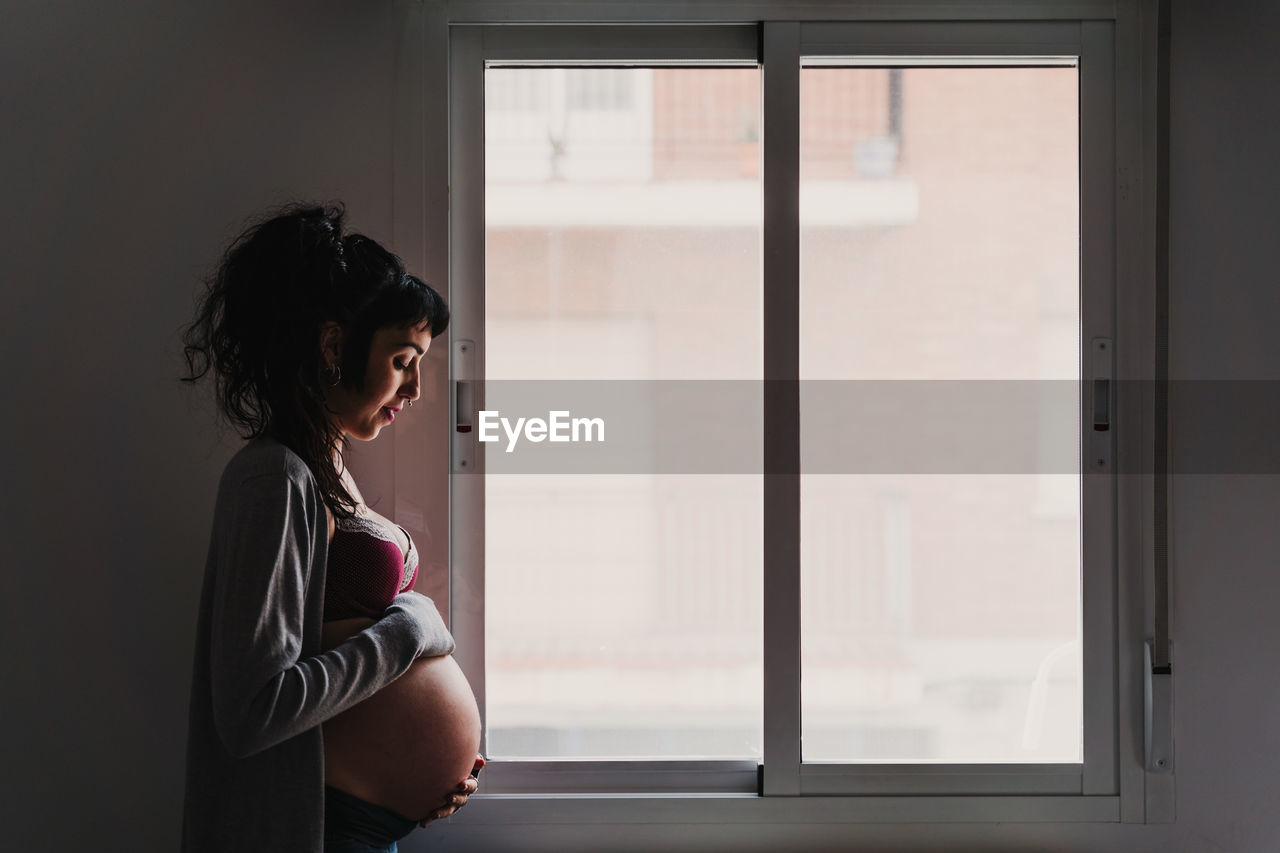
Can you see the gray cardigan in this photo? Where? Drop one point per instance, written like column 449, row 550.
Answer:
column 261, row 686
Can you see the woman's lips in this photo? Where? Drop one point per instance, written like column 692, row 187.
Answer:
column 391, row 413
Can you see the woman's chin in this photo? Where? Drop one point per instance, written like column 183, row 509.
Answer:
column 364, row 435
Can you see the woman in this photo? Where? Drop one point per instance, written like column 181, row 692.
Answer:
column 307, row 613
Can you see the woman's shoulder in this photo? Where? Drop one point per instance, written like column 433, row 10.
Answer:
column 263, row 483
column 264, row 456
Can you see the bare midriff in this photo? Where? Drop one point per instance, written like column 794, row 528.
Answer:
column 408, row 746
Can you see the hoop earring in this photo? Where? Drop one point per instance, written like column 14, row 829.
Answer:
column 334, row 371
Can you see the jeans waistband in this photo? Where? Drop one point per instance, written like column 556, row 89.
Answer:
column 349, row 818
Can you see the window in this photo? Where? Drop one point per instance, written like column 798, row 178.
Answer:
column 622, row 609
column 773, row 259
column 940, row 607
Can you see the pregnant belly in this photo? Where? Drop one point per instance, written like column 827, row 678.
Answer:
column 407, row 746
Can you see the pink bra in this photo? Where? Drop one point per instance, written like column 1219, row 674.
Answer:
column 366, row 569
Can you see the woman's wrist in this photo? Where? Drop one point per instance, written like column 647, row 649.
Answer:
column 433, row 638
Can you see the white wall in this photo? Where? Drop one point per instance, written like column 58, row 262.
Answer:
column 137, row 134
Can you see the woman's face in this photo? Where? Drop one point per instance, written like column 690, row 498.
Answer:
column 390, row 381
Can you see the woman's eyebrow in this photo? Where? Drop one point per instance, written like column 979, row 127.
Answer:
column 411, row 344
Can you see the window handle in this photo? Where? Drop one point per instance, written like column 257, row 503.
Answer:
column 462, row 405
column 1101, row 405
column 464, row 448
column 1157, row 700
column 1097, row 442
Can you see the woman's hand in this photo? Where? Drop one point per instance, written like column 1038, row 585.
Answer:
column 458, row 798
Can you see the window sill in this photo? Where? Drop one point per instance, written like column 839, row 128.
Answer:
column 585, row 809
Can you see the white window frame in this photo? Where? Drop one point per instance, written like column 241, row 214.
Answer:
column 439, row 168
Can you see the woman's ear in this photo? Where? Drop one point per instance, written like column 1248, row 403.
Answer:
column 330, row 342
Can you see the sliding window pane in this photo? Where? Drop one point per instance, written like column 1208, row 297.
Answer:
column 940, row 495
column 622, row 251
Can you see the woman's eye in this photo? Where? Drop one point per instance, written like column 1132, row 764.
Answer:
column 400, row 365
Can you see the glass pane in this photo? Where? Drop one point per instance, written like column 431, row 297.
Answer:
column 940, row 345
column 622, row 610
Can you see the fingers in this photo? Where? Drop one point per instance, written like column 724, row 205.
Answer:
column 453, row 803
column 458, row 799
column 439, row 814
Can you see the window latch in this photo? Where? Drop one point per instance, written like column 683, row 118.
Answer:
column 1101, row 355
column 1157, row 699
column 1101, row 405
column 464, row 448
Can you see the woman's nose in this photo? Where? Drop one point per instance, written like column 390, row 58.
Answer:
column 410, row 389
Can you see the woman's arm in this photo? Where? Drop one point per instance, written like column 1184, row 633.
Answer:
column 263, row 690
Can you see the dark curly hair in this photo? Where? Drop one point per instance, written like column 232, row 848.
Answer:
column 257, row 327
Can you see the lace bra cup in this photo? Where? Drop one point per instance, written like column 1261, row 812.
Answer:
column 366, row 569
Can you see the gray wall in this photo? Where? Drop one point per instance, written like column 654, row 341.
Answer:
column 136, row 135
